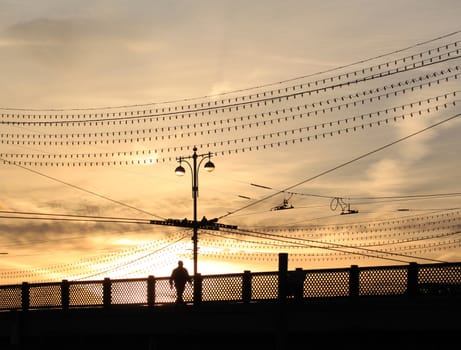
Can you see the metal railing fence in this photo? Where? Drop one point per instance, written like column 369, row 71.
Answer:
column 412, row 279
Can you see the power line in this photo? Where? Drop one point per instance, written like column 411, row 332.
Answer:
column 93, row 159
column 279, row 237
column 349, row 197
column 73, row 219
column 50, row 216
column 235, row 105
column 80, row 188
column 344, row 164
column 115, row 268
column 422, row 43
column 411, row 217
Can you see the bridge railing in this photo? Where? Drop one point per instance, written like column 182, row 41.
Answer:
column 298, row 284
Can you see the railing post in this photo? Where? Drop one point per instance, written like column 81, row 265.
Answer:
column 281, row 333
column 283, row 272
column 25, row 296
column 65, row 294
column 150, row 291
column 412, row 279
column 246, row 286
column 354, row 281
column 298, row 287
column 107, row 292
column 197, row 289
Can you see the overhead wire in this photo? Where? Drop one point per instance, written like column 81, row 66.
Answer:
column 370, row 223
column 80, row 188
column 236, row 105
column 422, row 43
column 64, row 158
column 344, row 164
column 287, row 189
column 74, row 138
column 355, row 198
column 124, row 264
column 52, row 216
column 74, row 159
column 330, row 246
column 69, row 268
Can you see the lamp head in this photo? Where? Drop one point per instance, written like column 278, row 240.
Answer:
column 180, row 171
column 209, row 166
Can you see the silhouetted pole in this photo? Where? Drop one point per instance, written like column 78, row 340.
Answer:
column 283, row 272
column 194, row 195
column 412, row 279
column 209, row 166
column 282, row 294
column 354, row 281
column 246, row 286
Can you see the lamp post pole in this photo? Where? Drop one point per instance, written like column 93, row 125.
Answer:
column 194, row 195
column 209, row 166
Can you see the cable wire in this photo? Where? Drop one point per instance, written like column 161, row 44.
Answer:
column 80, row 188
column 444, row 36
column 344, row 164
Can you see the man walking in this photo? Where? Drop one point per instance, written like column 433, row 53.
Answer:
column 180, row 276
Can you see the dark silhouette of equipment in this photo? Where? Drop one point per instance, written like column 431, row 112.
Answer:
column 284, row 205
column 345, row 207
column 203, row 224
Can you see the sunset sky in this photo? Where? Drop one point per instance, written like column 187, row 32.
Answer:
column 347, row 110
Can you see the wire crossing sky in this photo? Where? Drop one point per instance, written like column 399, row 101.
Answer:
column 306, row 107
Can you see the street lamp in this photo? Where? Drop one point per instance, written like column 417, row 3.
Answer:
column 194, row 167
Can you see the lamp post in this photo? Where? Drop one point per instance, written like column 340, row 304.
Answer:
column 194, row 167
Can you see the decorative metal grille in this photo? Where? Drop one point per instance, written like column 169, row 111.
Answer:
column 383, row 281
column 88, row 293
column 440, row 279
column 164, row 294
column 432, row 279
column 326, row 283
column 440, row 273
column 10, row 297
column 129, row 291
column 264, row 286
column 222, row 288
column 45, row 295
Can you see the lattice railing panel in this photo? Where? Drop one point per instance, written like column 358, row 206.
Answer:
column 264, row 286
column 440, row 274
column 433, row 279
column 88, row 293
column 129, row 291
column 164, row 294
column 326, row 283
column 383, row 281
column 45, row 295
column 10, row 297
column 226, row 287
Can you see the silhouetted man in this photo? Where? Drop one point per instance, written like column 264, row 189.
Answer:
column 180, row 276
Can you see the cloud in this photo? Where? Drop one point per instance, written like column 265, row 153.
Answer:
column 419, row 146
column 386, row 176
column 76, row 69
column 51, row 40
